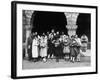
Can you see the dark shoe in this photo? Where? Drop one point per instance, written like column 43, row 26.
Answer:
column 72, row 61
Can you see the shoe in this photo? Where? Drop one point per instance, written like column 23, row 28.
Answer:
column 44, row 60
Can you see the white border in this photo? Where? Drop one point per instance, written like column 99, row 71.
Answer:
column 21, row 72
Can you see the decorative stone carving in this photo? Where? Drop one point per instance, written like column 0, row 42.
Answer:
column 71, row 22
column 28, row 14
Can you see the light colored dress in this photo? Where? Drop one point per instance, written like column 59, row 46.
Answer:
column 43, row 46
column 35, row 48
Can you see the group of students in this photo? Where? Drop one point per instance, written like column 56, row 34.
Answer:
column 53, row 45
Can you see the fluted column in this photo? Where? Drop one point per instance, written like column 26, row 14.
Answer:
column 27, row 26
column 71, row 22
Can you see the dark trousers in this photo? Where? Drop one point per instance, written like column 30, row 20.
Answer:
column 30, row 54
column 50, row 50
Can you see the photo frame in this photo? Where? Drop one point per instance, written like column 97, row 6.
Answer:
column 23, row 19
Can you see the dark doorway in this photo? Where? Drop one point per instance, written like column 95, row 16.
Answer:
column 44, row 21
column 84, row 25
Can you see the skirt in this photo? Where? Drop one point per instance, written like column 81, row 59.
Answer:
column 74, row 51
column 66, row 49
column 43, row 52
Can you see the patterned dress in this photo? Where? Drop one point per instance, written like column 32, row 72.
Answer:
column 43, row 47
column 73, row 48
column 66, row 48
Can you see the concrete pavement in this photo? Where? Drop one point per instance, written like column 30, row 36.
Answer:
column 51, row 63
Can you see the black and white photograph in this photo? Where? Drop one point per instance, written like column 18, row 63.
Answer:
column 54, row 39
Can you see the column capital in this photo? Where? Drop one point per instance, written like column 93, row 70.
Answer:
column 27, row 19
column 29, row 13
column 71, row 17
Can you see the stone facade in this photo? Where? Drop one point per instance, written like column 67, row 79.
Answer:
column 27, row 14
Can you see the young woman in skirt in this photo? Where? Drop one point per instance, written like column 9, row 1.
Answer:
column 35, row 44
column 43, row 48
column 73, row 49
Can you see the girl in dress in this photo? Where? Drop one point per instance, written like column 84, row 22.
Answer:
column 35, row 48
column 73, row 48
column 50, row 46
column 43, row 46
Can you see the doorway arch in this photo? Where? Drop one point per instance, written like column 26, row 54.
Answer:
column 43, row 21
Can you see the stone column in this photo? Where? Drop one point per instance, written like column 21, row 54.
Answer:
column 28, row 27
column 71, row 22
